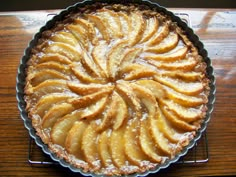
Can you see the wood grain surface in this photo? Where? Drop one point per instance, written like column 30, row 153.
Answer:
column 217, row 30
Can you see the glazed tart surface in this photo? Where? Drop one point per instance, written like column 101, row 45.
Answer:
column 116, row 89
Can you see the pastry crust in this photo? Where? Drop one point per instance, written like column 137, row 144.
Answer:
column 116, row 89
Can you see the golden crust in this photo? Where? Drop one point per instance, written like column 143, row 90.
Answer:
column 147, row 81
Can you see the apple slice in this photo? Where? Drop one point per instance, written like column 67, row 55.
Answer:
column 89, row 147
column 45, row 74
column 54, row 57
column 125, row 23
column 85, row 89
column 112, row 22
column 161, row 33
column 55, row 112
column 176, row 122
column 61, row 128
column 115, row 56
column 64, row 37
column 54, row 66
column 64, row 49
column 169, row 43
column 173, row 55
column 182, row 65
column 151, row 27
column 130, row 56
column 100, row 25
column 138, row 26
column 132, row 148
column 188, row 88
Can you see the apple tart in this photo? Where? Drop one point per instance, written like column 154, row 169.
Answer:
column 116, row 89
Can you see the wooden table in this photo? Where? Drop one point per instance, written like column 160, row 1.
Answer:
column 215, row 27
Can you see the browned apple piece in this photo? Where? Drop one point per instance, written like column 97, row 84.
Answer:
column 49, row 57
column 80, row 34
column 62, row 127
column 100, row 25
column 132, row 149
column 89, row 147
column 115, row 56
column 85, row 89
column 161, row 33
column 64, row 37
column 99, row 56
column 152, row 25
column 54, row 66
column 130, row 57
column 125, row 21
column 121, row 116
column 188, row 88
column 138, row 25
column 169, row 43
column 136, row 71
column 55, row 112
column 74, row 138
column 46, row 102
column 173, row 55
column 185, row 100
column 45, row 74
column 182, row 65
column 64, row 49
column 176, row 122
column 112, row 22
column 188, row 114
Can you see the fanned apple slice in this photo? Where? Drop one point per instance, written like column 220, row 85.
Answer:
column 55, row 112
column 83, row 76
column 74, row 139
column 46, row 102
column 91, row 66
column 103, row 149
column 156, row 88
column 132, row 148
column 64, row 49
column 147, row 144
column 54, row 66
column 130, row 56
column 89, row 147
column 126, row 26
column 188, row 88
column 166, row 45
column 173, row 55
column 136, row 71
column 85, row 89
column 130, row 98
column 185, row 76
column 138, row 25
column 100, row 26
column 115, row 56
column 111, row 19
column 121, row 116
column 99, row 56
column 90, row 30
column 161, row 33
column 182, row 65
column 151, row 27
column 62, row 126
column 47, row 87
column 45, row 74
column 64, row 37
column 175, row 121
column 185, row 100
column 55, row 57
column 150, row 104
column 188, row 114
column 116, row 146
column 80, row 34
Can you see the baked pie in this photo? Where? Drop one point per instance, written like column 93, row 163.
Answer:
column 116, row 89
